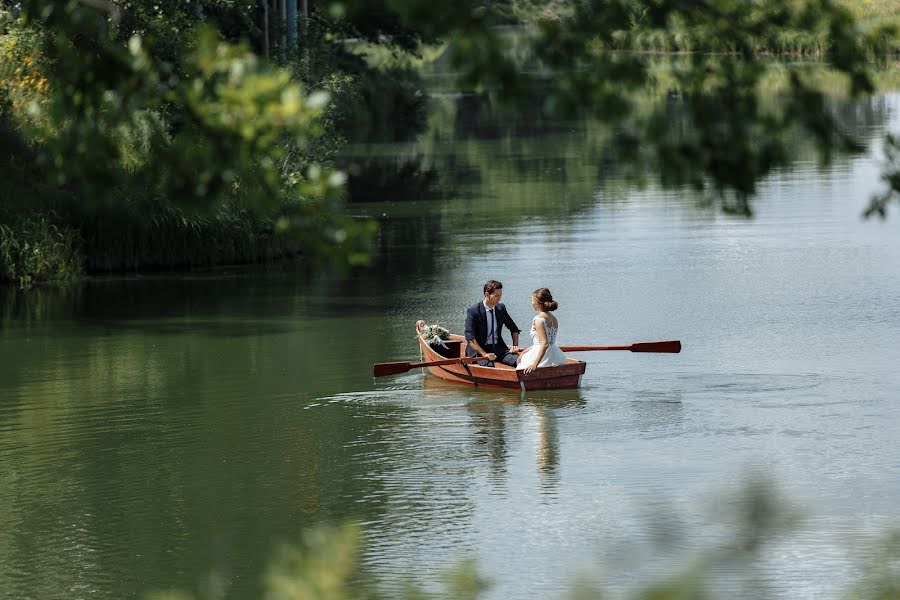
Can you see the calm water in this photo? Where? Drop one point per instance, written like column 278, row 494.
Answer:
column 171, row 432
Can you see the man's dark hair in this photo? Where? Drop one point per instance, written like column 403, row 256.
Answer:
column 491, row 286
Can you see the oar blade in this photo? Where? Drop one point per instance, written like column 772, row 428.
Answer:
column 672, row 346
column 392, row 368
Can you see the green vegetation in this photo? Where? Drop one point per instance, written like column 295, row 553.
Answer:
column 32, row 248
column 193, row 128
column 878, row 17
column 327, row 565
column 161, row 151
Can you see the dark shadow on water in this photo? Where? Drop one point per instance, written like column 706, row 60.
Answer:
column 235, row 301
column 229, row 328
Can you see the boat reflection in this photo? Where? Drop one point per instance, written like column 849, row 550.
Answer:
column 492, row 410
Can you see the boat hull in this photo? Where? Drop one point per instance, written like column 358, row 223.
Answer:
column 560, row 377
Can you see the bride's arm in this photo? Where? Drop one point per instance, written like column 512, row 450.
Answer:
column 540, row 347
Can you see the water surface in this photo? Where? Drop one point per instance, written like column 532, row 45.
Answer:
column 170, row 432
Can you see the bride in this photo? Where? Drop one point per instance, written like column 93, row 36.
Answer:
column 545, row 352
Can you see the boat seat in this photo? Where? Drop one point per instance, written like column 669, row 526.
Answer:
column 454, row 349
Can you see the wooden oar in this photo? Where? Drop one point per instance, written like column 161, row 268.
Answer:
column 395, row 368
column 673, row 346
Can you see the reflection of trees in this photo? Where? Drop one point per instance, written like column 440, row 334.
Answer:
column 142, row 426
column 479, row 116
column 405, row 179
column 527, row 163
column 490, row 167
column 118, row 491
column 865, row 116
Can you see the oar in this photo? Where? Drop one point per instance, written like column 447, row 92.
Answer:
column 395, row 368
column 667, row 346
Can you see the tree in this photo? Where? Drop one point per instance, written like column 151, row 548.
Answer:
column 711, row 129
column 201, row 128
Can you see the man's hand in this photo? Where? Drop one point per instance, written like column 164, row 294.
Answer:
column 514, row 349
column 490, row 356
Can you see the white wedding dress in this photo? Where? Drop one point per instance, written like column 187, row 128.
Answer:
column 552, row 357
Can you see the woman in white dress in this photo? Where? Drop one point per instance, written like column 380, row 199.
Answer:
column 545, row 351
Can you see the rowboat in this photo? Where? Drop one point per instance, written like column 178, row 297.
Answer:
column 567, row 376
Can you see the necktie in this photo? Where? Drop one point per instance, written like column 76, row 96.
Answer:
column 491, row 326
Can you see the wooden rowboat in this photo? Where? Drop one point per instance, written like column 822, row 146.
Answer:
column 565, row 376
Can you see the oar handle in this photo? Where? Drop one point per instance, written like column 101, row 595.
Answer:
column 449, row 361
column 670, row 346
column 395, row 368
column 591, row 348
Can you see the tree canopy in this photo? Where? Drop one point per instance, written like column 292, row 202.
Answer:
column 172, row 100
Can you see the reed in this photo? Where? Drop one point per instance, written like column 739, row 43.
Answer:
column 34, row 248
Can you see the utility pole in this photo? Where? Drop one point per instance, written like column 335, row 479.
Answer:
column 291, row 27
column 265, row 26
column 304, row 14
column 282, row 6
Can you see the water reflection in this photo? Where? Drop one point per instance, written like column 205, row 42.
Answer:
column 392, row 179
column 491, row 412
column 547, row 447
column 488, row 423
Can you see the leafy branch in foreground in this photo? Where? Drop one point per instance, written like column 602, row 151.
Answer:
column 891, row 176
column 118, row 127
column 327, row 566
column 212, row 124
column 713, row 129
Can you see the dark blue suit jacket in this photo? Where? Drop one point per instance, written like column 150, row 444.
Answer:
column 477, row 327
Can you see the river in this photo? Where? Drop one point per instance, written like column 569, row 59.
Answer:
column 170, row 432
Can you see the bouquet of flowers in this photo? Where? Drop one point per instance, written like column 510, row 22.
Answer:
column 434, row 335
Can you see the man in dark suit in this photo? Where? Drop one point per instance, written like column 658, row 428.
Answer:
column 484, row 322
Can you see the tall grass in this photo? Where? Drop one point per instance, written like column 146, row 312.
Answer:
column 34, row 248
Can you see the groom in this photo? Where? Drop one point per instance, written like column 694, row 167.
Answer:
column 484, row 322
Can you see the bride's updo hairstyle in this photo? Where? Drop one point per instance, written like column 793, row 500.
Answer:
column 544, row 299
